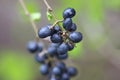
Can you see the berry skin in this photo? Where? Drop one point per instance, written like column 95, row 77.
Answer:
column 40, row 59
column 72, row 71
column 56, row 71
column 40, row 47
column 65, row 76
column 62, row 49
column 67, row 23
column 75, row 37
column 56, row 29
column 62, row 56
column 73, row 27
column 54, row 45
column 52, row 50
column 44, row 31
column 44, row 69
column 32, row 46
column 69, row 13
column 56, row 38
column 61, row 65
column 55, row 78
column 70, row 46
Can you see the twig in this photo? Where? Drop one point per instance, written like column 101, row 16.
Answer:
column 48, row 6
column 28, row 14
column 55, row 23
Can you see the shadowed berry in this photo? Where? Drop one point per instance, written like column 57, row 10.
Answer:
column 61, row 65
column 56, row 38
column 75, row 37
column 70, row 46
column 69, row 13
column 62, row 56
column 32, row 46
column 52, row 50
column 65, row 76
column 44, row 32
column 73, row 27
column 40, row 59
column 56, row 71
column 62, row 49
column 72, row 71
column 44, row 69
column 67, row 23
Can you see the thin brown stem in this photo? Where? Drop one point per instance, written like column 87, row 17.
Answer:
column 58, row 21
column 28, row 14
column 48, row 6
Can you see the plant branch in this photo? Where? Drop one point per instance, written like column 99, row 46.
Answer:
column 48, row 6
column 58, row 21
column 28, row 14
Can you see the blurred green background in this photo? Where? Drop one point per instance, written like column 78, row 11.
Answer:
column 97, row 57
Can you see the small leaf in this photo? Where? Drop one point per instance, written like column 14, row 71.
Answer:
column 49, row 16
column 35, row 16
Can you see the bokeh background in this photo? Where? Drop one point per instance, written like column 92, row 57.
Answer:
column 97, row 57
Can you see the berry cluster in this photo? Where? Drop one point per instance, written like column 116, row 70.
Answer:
column 63, row 39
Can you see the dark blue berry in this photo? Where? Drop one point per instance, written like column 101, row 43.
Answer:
column 56, row 71
column 40, row 47
column 55, row 78
column 69, row 13
column 70, row 46
column 56, row 38
column 62, row 56
column 44, row 32
column 73, row 27
column 40, row 59
column 75, row 37
column 56, row 29
column 44, row 69
column 54, row 45
column 61, row 65
column 72, row 71
column 62, row 49
column 52, row 50
column 67, row 23
column 65, row 76
column 32, row 46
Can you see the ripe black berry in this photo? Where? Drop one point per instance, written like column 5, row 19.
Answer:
column 40, row 59
column 69, row 13
column 56, row 38
column 44, row 31
column 75, row 37
column 65, row 76
column 73, row 27
column 62, row 49
column 72, row 71
column 52, row 50
column 70, row 46
column 61, row 65
column 56, row 29
column 32, row 46
column 62, row 56
column 67, row 23
column 56, row 71
column 44, row 69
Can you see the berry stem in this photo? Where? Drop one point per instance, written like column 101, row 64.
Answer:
column 56, row 22
column 49, row 9
column 48, row 6
column 32, row 21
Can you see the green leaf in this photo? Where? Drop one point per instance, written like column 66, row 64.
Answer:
column 49, row 16
column 35, row 16
column 77, row 51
